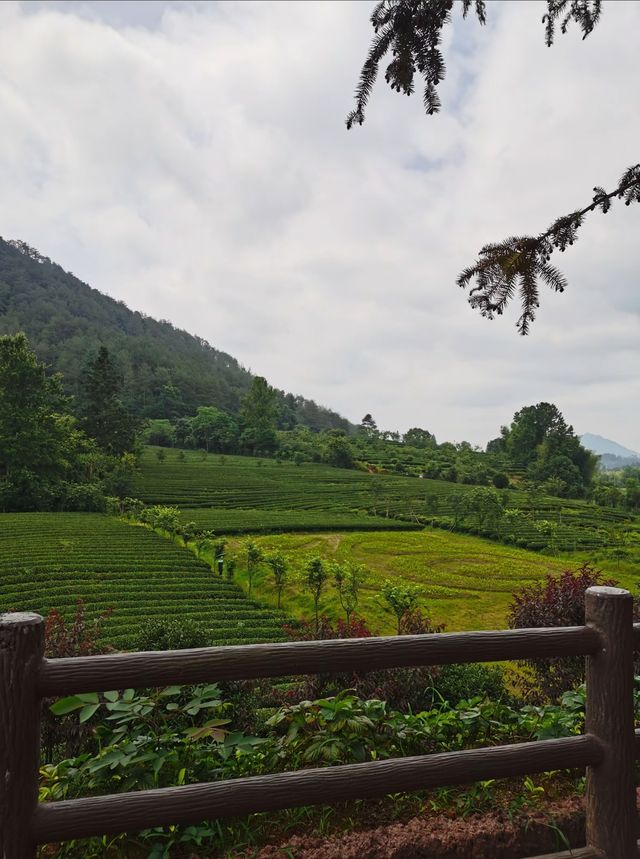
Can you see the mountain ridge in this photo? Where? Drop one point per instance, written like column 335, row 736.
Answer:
column 600, row 444
column 168, row 373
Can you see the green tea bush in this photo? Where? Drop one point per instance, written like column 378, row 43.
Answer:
column 161, row 634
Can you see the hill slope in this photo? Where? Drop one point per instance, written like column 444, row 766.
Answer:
column 167, row 372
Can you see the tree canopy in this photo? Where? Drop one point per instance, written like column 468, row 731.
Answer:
column 46, row 461
column 517, row 266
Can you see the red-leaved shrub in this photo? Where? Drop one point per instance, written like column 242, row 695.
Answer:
column 557, row 601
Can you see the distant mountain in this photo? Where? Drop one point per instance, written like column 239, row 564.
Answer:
column 168, row 372
column 612, row 455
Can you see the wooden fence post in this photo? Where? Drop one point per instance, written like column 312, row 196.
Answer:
column 611, row 806
column 21, row 652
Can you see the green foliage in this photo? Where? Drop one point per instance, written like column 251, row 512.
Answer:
column 257, row 418
column 102, row 414
column 45, row 461
column 400, row 599
column 254, row 557
column 348, row 579
column 279, row 564
column 49, row 560
column 165, row 634
column 339, row 452
column 314, row 578
column 213, row 429
column 419, row 438
column 181, row 735
column 540, row 440
column 160, row 432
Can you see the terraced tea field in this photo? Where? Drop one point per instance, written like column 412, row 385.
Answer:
column 49, row 560
column 235, row 494
column 227, row 520
column 466, row 582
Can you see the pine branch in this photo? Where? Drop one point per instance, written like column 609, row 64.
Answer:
column 523, row 261
column 412, row 30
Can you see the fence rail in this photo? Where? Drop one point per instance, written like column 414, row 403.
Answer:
column 607, row 749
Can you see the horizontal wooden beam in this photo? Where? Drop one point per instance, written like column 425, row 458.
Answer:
column 246, row 662
column 577, row 853
column 131, row 812
column 580, row 853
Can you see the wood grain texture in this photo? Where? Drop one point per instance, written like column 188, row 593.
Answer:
column 21, row 652
column 132, row 812
column 577, row 853
column 611, row 804
column 247, row 662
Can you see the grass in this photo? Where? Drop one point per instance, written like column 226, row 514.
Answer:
column 466, row 582
column 49, row 560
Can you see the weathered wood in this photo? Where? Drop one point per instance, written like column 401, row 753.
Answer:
column 581, row 853
column 21, row 652
column 577, row 853
column 247, row 662
column 611, row 807
column 132, row 812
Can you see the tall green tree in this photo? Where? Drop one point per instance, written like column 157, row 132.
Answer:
column 40, row 445
column 258, row 418
column 214, row 429
column 102, row 414
column 540, row 440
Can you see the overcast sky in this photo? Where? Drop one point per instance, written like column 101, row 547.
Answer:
column 192, row 160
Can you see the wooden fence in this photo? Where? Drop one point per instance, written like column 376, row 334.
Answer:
column 608, row 748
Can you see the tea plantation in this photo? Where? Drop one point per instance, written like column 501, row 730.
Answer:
column 235, row 494
column 49, row 560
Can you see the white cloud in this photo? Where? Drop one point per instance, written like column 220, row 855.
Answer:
column 192, row 160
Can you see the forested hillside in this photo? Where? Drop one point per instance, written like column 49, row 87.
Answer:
column 167, row 372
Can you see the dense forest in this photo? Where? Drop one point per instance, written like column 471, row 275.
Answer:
column 167, row 373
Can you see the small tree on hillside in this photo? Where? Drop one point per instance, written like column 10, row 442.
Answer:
column 279, row 564
column 314, row 579
column 348, row 579
column 254, row 559
column 204, row 542
column 399, row 599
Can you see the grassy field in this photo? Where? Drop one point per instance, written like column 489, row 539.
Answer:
column 466, row 582
column 49, row 560
column 235, row 494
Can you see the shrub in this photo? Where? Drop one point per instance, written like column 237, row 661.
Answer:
column 558, row 601
column 500, row 480
column 173, row 635
column 461, row 682
column 66, row 638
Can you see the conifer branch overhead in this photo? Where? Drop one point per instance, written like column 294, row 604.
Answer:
column 518, row 264
column 412, row 30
